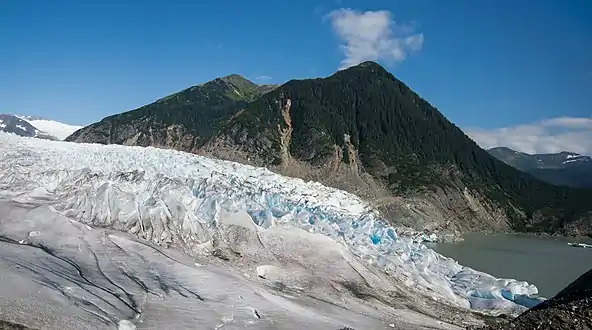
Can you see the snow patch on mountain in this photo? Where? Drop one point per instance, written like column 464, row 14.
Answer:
column 15, row 125
column 177, row 199
column 54, row 128
column 30, row 126
column 573, row 158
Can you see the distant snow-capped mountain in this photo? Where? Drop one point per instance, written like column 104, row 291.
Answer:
column 527, row 162
column 563, row 168
column 15, row 125
column 31, row 126
column 52, row 127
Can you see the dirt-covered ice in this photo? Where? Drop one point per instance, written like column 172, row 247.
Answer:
column 71, row 276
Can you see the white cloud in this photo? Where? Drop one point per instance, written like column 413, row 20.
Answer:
column 545, row 136
column 373, row 35
column 263, row 78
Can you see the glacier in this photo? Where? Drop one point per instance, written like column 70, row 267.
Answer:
column 183, row 201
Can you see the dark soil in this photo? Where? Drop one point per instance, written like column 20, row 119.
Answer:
column 5, row 325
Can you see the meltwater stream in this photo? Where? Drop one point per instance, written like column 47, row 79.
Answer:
column 165, row 196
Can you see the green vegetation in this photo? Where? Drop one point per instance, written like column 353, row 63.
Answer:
column 200, row 110
column 403, row 140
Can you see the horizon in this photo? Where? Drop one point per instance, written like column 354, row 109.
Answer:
column 509, row 74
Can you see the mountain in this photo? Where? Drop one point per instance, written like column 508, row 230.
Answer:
column 13, row 124
column 527, row 162
column 364, row 131
column 54, row 128
column 30, row 126
column 562, row 169
column 183, row 121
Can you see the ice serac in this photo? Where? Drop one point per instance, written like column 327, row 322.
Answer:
column 177, row 199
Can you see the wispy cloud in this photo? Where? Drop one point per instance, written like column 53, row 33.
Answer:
column 373, row 35
column 263, row 78
column 545, row 136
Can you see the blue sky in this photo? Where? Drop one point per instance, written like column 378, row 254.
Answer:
column 486, row 64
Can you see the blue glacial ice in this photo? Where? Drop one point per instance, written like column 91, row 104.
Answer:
column 370, row 238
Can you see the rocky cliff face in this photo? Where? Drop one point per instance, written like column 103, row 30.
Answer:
column 361, row 130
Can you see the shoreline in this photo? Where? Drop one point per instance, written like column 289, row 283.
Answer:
column 445, row 237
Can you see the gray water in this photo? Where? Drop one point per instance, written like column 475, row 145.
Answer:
column 550, row 264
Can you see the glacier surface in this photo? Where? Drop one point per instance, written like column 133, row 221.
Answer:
column 175, row 199
column 58, row 273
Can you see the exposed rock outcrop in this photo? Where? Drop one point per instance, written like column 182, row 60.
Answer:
column 6, row 325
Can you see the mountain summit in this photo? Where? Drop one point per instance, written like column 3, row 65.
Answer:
column 183, row 121
column 364, row 131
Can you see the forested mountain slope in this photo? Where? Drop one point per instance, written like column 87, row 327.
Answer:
column 183, row 121
column 367, row 121
column 364, row 131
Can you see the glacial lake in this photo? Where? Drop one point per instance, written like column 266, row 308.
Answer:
column 549, row 263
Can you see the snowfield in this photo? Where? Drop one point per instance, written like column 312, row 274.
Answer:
column 51, row 127
column 268, row 251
